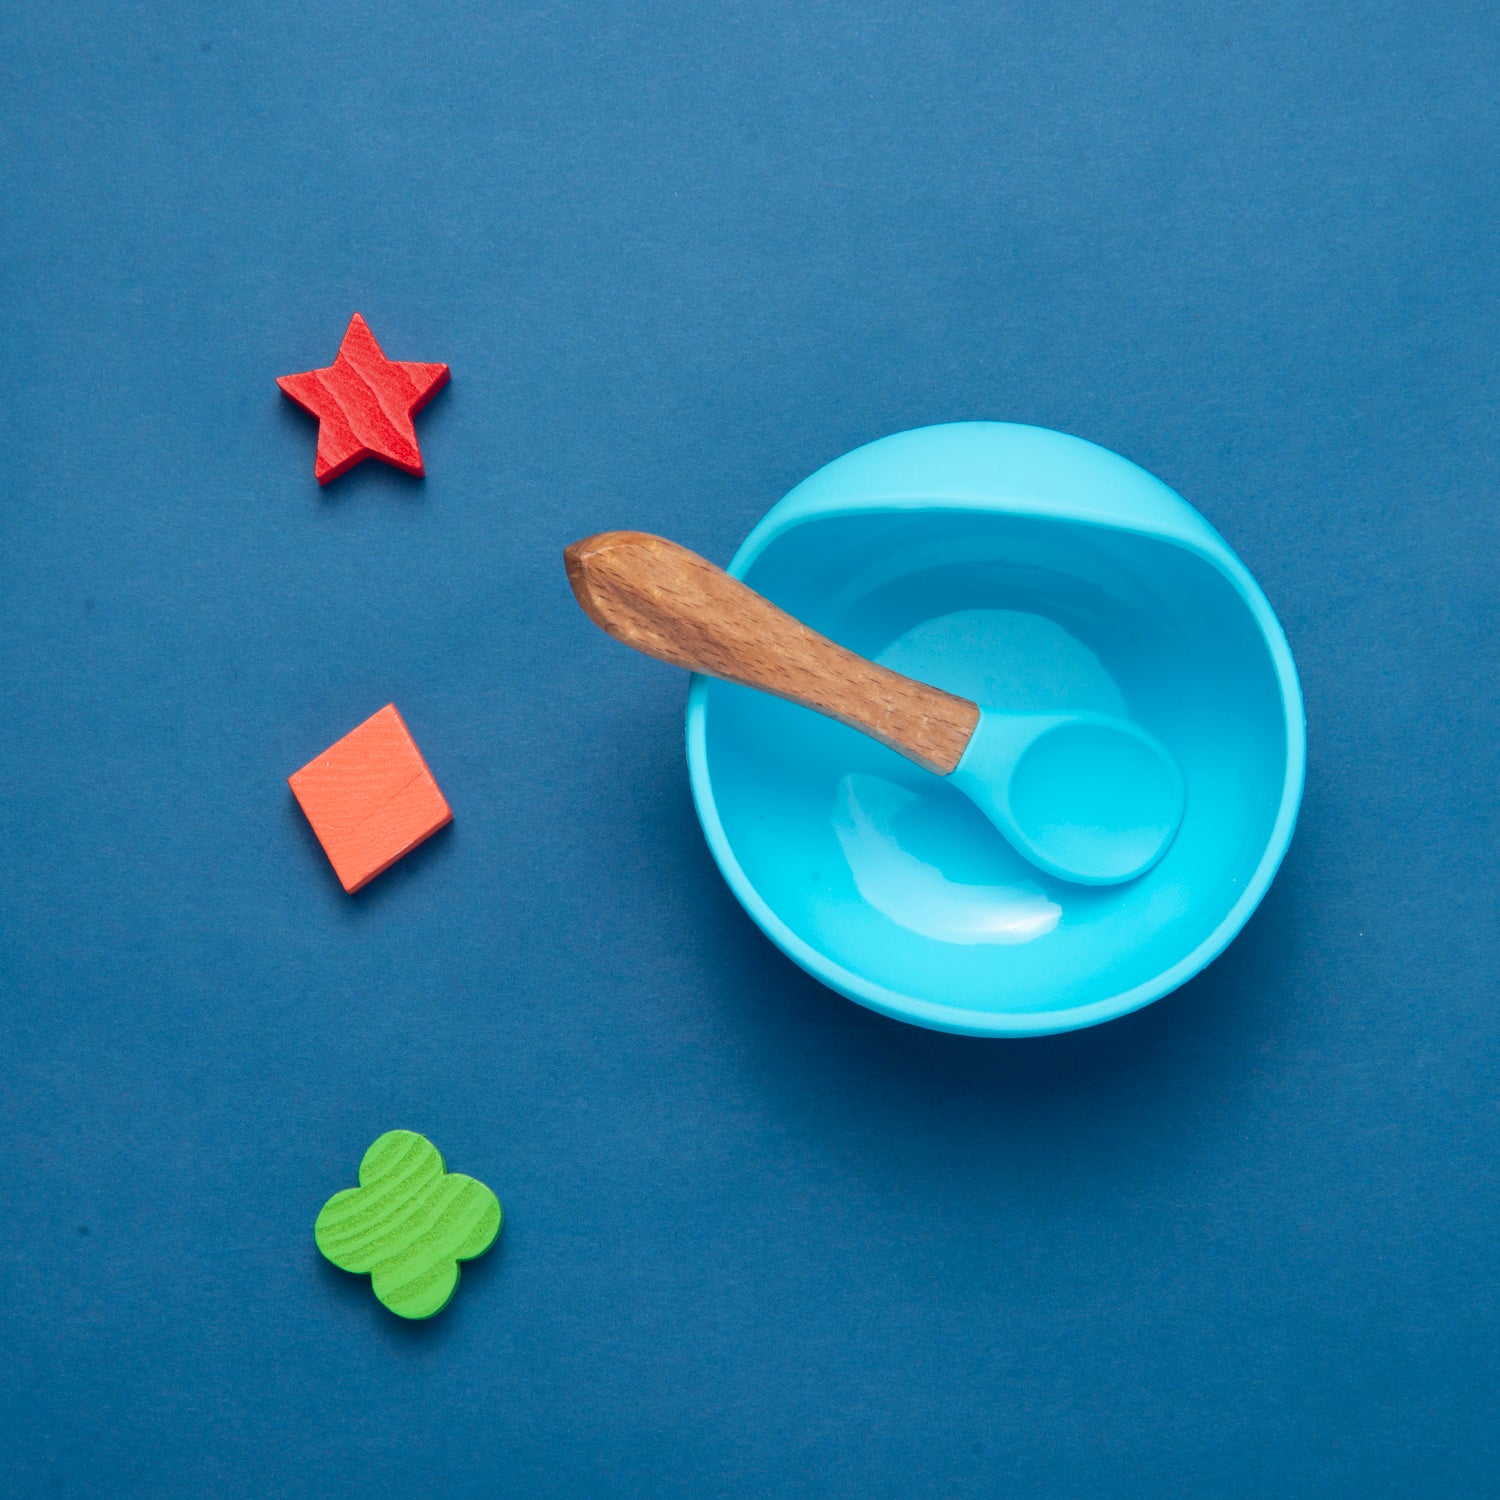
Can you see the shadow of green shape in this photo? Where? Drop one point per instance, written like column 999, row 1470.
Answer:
column 408, row 1224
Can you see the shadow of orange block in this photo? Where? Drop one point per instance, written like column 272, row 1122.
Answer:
column 370, row 798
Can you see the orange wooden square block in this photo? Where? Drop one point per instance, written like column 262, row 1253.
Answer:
column 370, row 798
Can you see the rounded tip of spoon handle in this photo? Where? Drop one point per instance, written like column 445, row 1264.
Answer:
column 581, row 559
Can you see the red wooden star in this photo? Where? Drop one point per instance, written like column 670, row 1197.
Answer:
column 364, row 404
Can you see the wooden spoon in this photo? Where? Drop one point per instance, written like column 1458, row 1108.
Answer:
column 1087, row 797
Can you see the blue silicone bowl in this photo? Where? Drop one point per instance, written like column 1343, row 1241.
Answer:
column 1024, row 569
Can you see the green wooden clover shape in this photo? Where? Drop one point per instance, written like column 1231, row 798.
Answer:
column 408, row 1223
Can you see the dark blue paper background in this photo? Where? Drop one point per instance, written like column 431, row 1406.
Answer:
column 759, row 1242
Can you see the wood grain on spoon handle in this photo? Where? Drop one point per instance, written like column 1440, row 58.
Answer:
column 676, row 606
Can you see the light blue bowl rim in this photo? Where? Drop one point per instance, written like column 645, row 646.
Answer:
column 1174, row 521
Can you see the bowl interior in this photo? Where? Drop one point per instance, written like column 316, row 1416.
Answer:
column 889, row 884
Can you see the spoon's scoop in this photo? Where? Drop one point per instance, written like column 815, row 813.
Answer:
column 1086, row 797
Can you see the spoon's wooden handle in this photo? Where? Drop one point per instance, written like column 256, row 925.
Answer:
column 676, row 606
